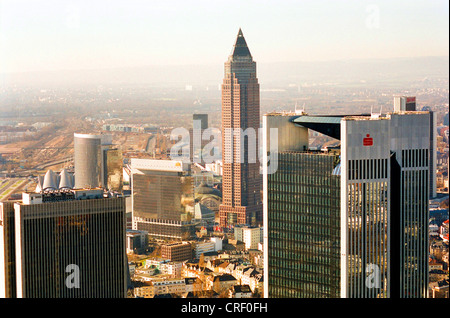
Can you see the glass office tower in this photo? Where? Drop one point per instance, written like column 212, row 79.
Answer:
column 77, row 232
column 410, row 173
column 163, row 198
column 383, row 207
column 304, row 200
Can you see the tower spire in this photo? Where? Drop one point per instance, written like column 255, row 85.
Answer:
column 240, row 47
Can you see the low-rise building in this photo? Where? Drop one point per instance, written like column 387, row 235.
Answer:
column 253, row 279
column 240, row 291
column 204, row 247
column 193, row 285
column 434, row 264
column 221, row 283
column 437, row 275
column 156, row 262
column 439, row 289
column 443, row 231
column 137, row 241
column 177, row 252
column 173, row 269
column 161, row 287
column 251, row 236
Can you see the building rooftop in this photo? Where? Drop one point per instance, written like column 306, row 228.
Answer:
column 242, row 289
column 64, row 194
column 135, row 232
column 224, row 278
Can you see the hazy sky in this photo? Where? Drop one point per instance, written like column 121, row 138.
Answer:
column 60, row 35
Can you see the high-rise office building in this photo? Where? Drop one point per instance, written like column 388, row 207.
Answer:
column 347, row 222
column 404, row 103
column 200, row 124
column 301, row 218
column 202, row 119
column 162, row 198
column 7, row 251
column 88, row 160
column 97, row 162
column 240, row 114
column 433, row 153
column 70, row 244
column 408, row 103
column 113, row 169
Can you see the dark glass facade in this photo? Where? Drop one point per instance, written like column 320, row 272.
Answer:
column 304, row 227
column 7, row 251
column 413, row 232
column 55, row 236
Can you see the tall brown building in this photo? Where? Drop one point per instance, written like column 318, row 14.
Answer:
column 241, row 181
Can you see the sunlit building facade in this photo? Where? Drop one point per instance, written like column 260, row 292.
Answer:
column 98, row 163
column 241, row 180
column 162, row 198
column 379, row 215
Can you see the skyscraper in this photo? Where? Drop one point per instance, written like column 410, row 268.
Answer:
column 350, row 222
column 302, row 216
column 200, row 123
column 240, row 118
column 7, row 251
column 70, row 244
column 97, row 162
column 88, row 160
column 162, row 198
column 404, row 103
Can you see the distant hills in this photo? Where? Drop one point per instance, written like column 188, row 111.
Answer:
column 341, row 72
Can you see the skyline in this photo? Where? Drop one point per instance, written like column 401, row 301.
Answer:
column 50, row 36
column 332, row 176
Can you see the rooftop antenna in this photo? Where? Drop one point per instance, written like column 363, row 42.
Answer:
column 375, row 115
column 301, row 111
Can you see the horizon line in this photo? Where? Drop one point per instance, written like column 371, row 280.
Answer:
column 214, row 64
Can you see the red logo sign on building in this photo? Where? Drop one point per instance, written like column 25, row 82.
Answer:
column 368, row 141
column 411, row 99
